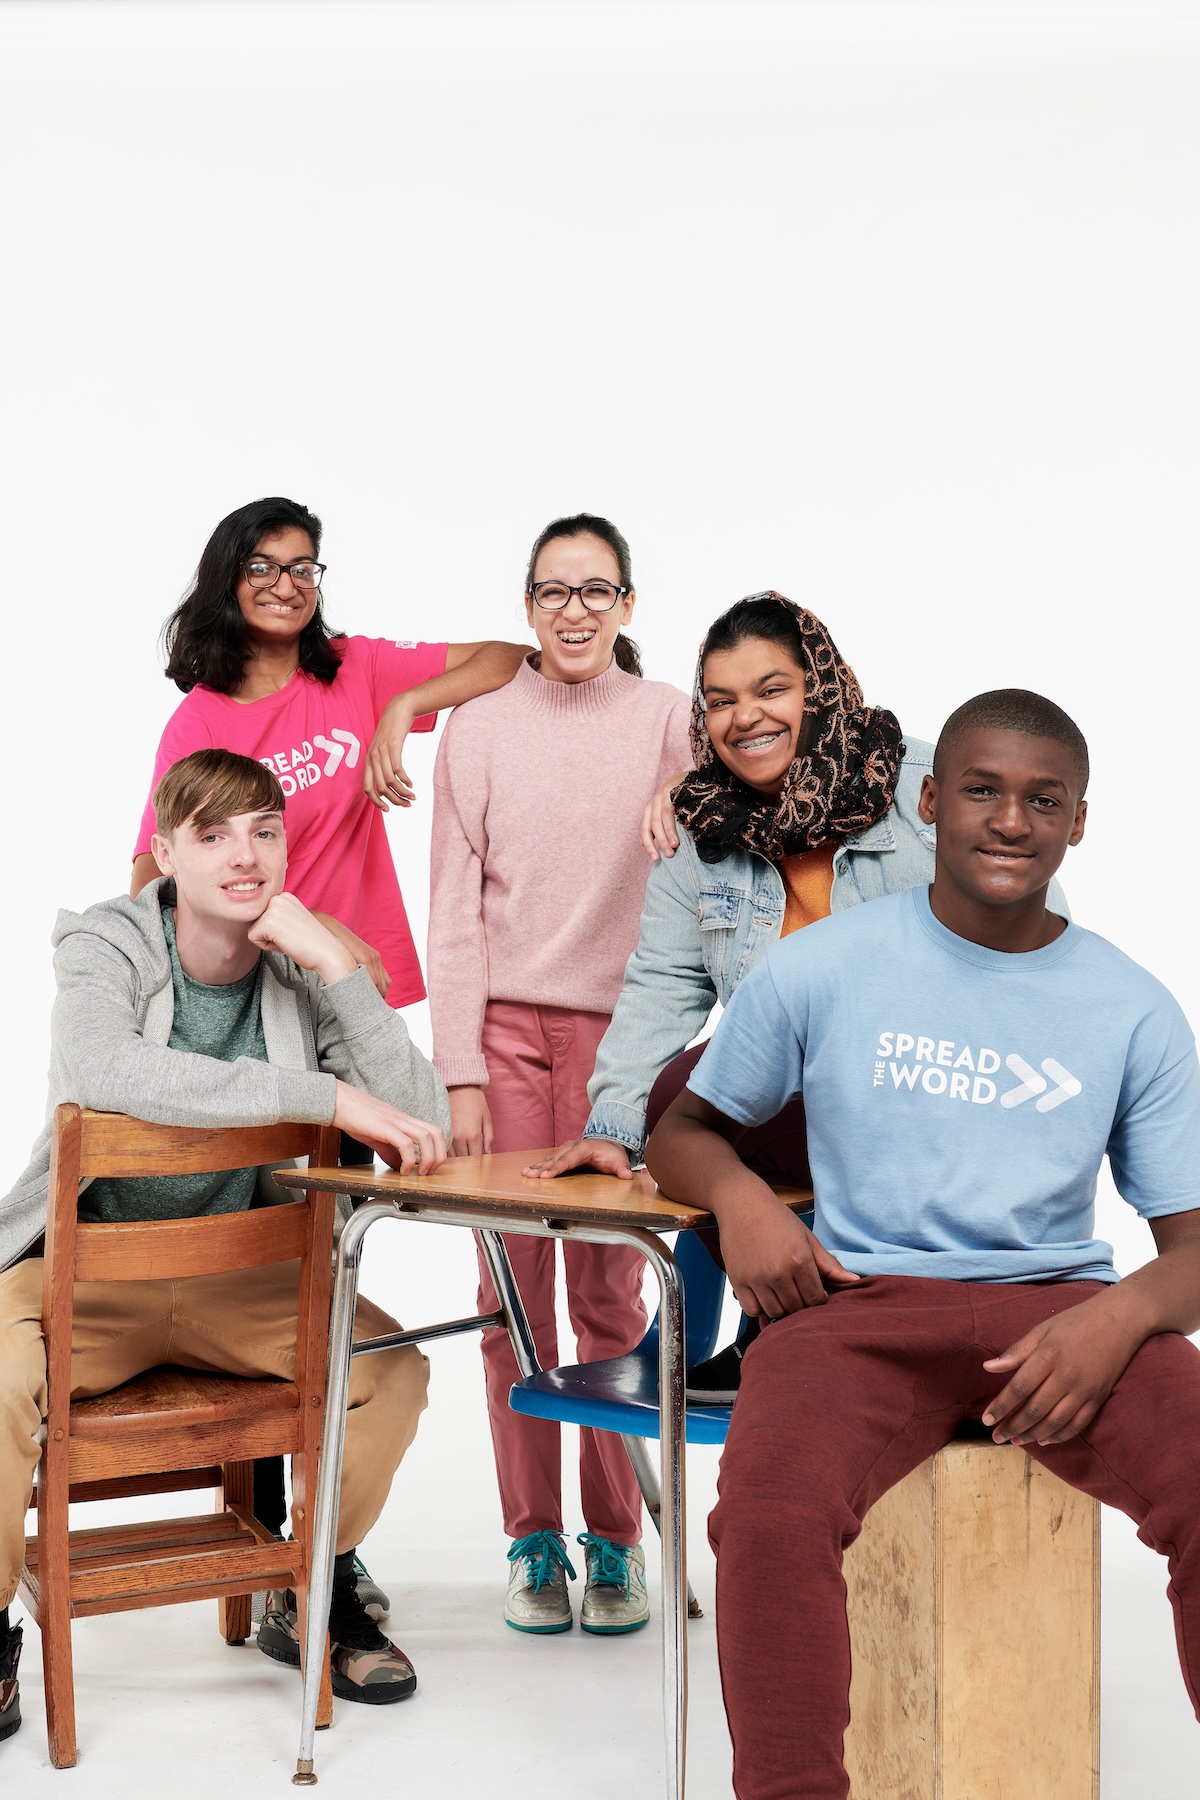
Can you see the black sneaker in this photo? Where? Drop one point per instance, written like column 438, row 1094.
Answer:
column 10, row 1693
column 716, row 1382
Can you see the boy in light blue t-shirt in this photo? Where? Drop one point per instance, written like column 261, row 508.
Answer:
column 967, row 1059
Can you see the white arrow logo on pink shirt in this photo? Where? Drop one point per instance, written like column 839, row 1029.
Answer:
column 337, row 750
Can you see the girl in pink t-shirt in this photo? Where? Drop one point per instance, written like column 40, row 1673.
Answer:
column 538, row 880
column 265, row 676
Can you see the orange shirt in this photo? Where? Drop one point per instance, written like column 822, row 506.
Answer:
column 808, row 882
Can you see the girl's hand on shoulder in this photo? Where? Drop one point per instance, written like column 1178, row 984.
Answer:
column 659, row 835
column 470, row 1122
column 384, row 778
column 360, row 950
column 609, row 1157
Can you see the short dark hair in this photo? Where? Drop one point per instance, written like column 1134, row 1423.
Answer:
column 1014, row 709
column 205, row 637
column 211, row 785
column 626, row 654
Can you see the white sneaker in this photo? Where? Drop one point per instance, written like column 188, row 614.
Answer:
column 615, row 1598
column 537, row 1598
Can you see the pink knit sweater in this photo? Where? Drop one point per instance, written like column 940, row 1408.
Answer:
column 537, row 873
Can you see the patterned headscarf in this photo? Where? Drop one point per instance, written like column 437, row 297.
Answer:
column 845, row 781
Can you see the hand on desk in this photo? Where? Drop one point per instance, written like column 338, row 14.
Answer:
column 404, row 1143
column 584, row 1153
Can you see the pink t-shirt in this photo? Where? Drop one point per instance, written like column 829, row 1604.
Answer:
column 315, row 737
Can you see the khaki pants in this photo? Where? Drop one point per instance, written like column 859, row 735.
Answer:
column 242, row 1323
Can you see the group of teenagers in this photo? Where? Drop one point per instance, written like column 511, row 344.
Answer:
column 912, row 1027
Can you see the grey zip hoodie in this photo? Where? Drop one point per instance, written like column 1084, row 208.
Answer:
column 109, row 1034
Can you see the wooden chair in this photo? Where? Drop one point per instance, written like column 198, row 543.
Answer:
column 171, row 1429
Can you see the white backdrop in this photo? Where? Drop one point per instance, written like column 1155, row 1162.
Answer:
column 891, row 306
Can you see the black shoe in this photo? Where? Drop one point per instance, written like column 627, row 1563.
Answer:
column 716, row 1382
column 10, row 1693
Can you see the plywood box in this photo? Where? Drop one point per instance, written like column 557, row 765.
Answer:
column 974, row 1601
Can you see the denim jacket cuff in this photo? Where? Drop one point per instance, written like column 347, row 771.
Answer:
column 622, row 1124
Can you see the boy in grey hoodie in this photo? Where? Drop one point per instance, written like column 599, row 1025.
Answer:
column 216, row 999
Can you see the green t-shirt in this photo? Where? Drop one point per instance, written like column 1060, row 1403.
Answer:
column 225, row 1022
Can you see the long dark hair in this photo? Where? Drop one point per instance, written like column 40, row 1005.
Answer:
column 626, row 654
column 206, row 638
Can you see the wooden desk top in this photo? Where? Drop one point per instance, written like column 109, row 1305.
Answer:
column 490, row 1185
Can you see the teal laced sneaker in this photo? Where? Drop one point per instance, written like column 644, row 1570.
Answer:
column 537, row 1598
column 615, row 1598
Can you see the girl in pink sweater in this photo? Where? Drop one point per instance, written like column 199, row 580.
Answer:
column 538, row 879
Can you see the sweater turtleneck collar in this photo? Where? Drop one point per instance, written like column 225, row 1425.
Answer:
column 569, row 699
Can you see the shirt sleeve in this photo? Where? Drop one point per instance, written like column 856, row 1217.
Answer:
column 184, row 732
column 400, row 666
column 754, row 1063
column 1154, row 1146
column 457, row 959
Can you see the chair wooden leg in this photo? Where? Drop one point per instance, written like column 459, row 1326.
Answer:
column 54, row 1615
column 233, row 1610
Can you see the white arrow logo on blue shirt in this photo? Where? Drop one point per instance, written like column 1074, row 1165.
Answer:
column 1032, row 1083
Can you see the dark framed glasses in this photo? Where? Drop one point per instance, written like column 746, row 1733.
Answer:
column 261, row 572
column 597, row 596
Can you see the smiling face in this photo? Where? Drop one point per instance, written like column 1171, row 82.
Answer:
column 226, row 873
column 277, row 615
column 1007, row 807
column 754, row 709
column 577, row 645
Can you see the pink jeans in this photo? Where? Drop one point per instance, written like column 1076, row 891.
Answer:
column 540, row 1059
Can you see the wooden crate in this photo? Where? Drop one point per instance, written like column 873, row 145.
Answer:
column 974, row 1602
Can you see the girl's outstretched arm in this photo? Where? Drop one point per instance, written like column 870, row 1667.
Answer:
column 471, row 670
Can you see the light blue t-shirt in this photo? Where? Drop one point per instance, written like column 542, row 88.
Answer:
column 960, row 1100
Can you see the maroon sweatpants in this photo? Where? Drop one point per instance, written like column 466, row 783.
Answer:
column 838, row 1404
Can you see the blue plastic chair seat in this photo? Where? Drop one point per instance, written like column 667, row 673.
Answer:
column 622, row 1393
column 618, row 1395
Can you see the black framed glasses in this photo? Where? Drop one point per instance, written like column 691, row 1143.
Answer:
column 597, row 596
column 261, row 572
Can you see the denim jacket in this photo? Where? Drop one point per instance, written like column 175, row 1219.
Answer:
column 705, row 925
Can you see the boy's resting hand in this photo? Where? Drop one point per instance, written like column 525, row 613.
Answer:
column 285, row 924
column 603, row 1154
column 404, row 1143
column 774, row 1263
column 1062, row 1373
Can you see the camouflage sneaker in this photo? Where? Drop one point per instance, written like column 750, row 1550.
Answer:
column 10, row 1693
column 369, row 1668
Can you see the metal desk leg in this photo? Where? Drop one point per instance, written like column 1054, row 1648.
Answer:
column 329, row 1473
column 671, row 1463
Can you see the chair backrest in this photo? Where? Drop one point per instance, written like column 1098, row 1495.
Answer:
column 703, row 1299
column 88, row 1144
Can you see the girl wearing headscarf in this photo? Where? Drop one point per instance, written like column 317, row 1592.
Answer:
column 802, row 802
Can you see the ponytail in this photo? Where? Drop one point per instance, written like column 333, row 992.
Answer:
column 626, row 655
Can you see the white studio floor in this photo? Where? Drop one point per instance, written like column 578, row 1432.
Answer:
column 164, row 1705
